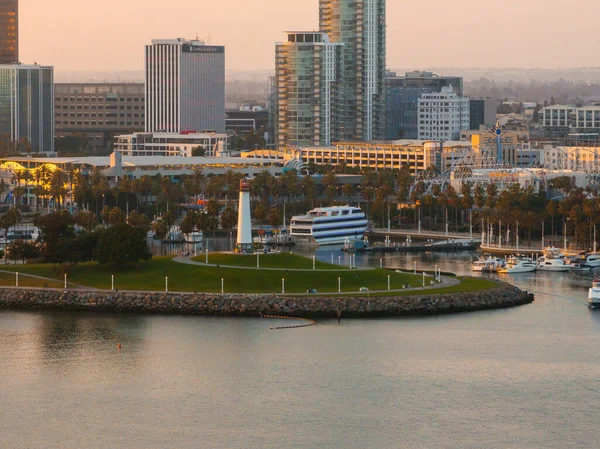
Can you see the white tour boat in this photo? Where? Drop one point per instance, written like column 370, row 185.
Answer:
column 518, row 264
column 594, row 294
column 329, row 226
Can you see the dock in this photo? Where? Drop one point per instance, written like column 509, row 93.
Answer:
column 442, row 247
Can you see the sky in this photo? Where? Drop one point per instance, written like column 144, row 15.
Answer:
column 109, row 35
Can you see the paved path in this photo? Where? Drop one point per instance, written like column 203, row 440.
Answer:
column 189, row 261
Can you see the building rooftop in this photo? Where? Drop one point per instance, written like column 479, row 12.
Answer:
column 143, row 161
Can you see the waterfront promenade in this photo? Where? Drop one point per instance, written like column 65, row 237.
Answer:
column 441, row 235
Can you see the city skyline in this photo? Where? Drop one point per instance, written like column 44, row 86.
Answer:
column 74, row 40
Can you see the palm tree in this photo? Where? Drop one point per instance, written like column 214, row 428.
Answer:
column 58, row 189
column 99, row 187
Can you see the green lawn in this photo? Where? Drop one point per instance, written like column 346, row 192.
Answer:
column 151, row 275
column 281, row 260
column 9, row 280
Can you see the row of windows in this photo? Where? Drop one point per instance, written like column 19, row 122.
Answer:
column 58, row 122
column 96, row 107
column 58, row 114
column 135, row 99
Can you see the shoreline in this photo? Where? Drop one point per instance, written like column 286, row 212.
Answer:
column 256, row 305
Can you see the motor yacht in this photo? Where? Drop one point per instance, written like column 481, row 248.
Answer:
column 488, row 264
column 518, row 264
column 594, row 295
column 549, row 263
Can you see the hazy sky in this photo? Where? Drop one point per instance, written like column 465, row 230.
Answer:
column 109, row 35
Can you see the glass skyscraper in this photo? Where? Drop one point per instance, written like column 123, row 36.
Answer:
column 9, row 31
column 307, row 76
column 361, row 26
column 27, row 107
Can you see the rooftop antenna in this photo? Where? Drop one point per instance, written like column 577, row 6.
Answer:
column 197, row 36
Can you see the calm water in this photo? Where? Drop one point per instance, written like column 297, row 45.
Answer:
column 519, row 378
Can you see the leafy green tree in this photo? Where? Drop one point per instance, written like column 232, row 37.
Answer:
column 160, row 228
column 260, row 213
column 207, row 223
column 113, row 215
column 213, row 208
column 9, row 219
column 122, row 245
column 139, row 221
column 229, row 219
column 22, row 250
column 85, row 219
column 190, row 222
column 275, row 219
column 54, row 228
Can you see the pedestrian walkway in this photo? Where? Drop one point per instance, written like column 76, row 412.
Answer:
column 189, row 261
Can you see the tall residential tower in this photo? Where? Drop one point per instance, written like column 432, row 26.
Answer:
column 361, row 26
column 185, row 86
column 9, row 31
column 308, row 93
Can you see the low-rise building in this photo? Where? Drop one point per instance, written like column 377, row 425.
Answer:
column 559, row 121
column 98, row 110
column 171, row 144
column 418, row 155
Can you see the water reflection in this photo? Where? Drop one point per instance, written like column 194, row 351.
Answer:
column 523, row 377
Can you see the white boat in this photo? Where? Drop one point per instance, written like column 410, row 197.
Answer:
column 174, row 235
column 23, row 234
column 488, row 264
column 329, row 226
column 549, row 263
column 593, row 260
column 518, row 264
column 594, row 294
column 193, row 237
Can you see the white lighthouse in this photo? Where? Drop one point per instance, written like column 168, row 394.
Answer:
column 244, row 233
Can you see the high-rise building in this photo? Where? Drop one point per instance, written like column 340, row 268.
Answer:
column 27, row 107
column 9, row 31
column 442, row 115
column 185, row 86
column 361, row 26
column 403, row 94
column 307, row 76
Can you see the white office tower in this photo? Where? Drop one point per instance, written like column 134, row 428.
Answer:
column 185, row 87
column 244, row 235
column 442, row 115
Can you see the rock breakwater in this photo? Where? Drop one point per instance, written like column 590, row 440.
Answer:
column 426, row 303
